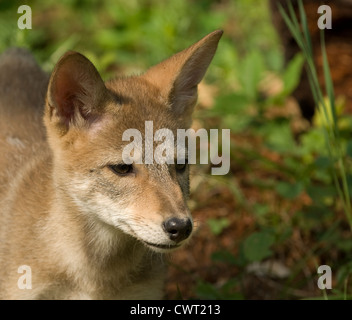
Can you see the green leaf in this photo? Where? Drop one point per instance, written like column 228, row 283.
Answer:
column 206, row 290
column 218, row 225
column 313, row 142
column 237, row 123
column 228, row 291
column 279, row 137
column 232, row 104
column 322, row 162
column 316, row 213
column 289, row 190
column 224, row 256
column 251, row 73
column 257, row 246
column 320, row 193
column 260, row 210
column 292, row 74
column 275, row 59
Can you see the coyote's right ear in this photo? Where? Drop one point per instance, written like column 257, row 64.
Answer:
column 178, row 77
column 76, row 93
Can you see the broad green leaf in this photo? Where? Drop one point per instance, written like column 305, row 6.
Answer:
column 320, row 193
column 323, row 162
column 260, row 210
column 206, row 290
column 251, row 73
column 313, row 142
column 232, row 104
column 289, row 190
column 218, row 225
column 238, row 123
column 224, row 256
column 257, row 246
column 316, row 213
column 278, row 136
column 292, row 74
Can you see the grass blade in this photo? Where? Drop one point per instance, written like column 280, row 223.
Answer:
column 327, row 77
column 305, row 28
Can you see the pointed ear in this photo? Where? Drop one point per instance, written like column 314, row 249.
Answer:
column 76, row 93
column 179, row 76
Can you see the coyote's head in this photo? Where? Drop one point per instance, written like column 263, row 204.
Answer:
column 85, row 120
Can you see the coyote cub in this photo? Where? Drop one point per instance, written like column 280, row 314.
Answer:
column 83, row 223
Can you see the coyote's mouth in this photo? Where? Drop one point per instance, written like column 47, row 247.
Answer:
column 163, row 246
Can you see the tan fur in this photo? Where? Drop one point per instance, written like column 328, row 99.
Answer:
column 80, row 227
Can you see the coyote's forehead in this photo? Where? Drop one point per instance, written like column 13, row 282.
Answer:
column 138, row 101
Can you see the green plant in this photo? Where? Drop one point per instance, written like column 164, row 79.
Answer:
column 335, row 160
column 326, row 109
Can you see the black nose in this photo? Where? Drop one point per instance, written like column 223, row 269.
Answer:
column 178, row 229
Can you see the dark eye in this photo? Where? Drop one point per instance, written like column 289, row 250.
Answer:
column 121, row 169
column 181, row 167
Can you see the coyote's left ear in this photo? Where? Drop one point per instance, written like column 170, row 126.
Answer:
column 178, row 77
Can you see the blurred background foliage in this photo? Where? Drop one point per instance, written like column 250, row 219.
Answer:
column 265, row 227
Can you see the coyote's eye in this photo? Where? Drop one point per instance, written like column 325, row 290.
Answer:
column 181, row 167
column 121, row 169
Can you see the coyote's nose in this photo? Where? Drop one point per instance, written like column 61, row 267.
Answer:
column 178, row 229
